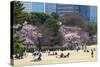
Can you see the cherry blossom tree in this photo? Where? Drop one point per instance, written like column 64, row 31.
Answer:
column 29, row 34
column 73, row 37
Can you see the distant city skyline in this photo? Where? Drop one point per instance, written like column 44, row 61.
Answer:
column 89, row 13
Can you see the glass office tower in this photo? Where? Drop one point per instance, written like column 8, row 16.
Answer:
column 85, row 12
column 93, row 13
column 63, row 9
column 37, row 7
column 28, row 6
column 89, row 13
column 33, row 6
column 50, row 7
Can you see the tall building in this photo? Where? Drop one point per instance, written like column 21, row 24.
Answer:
column 85, row 12
column 38, row 7
column 50, row 7
column 33, row 6
column 93, row 13
column 28, row 6
column 89, row 13
column 63, row 9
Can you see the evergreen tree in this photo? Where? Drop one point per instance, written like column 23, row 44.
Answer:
column 17, row 12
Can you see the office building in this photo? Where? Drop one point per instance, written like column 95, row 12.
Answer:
column 89, row 13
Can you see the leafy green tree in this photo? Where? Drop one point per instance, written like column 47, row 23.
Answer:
column 52, row 25
column 17, row 45
column 38, row 18
column 92, row 28
column 55, row 15
column 25, row 16
column 17, row 12
column 50, row 31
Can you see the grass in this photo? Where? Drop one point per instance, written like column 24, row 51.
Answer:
column 75, row 56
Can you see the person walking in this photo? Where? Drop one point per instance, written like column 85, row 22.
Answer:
column 92, row 53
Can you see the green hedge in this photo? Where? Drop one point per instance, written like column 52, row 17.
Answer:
column 53, row 48
column 47, row 48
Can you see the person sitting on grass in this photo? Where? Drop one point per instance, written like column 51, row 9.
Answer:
column 52, row 53
column 48, row 53
column 21, row 55
column 37, row 56
column 55, row 53
column 88, row 51
column 64, row 56
column 17, row 56
column 68, row 55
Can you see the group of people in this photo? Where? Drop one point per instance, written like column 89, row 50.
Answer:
column 20, row 55
column 91, row 51
column 62, row 55
column 53, row 53
column 37, row 56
